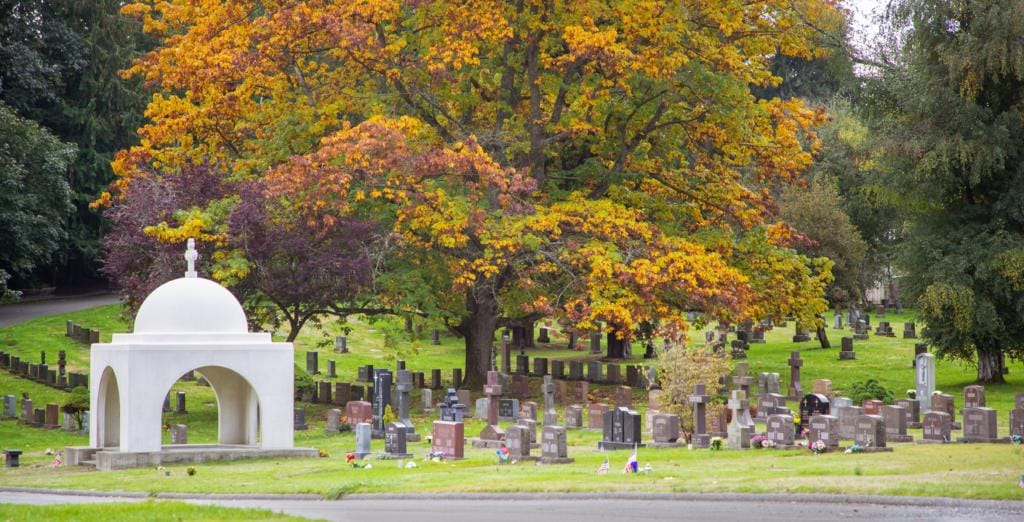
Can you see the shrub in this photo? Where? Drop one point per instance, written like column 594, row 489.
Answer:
column 77, row 404
column 869, row 389
column 304, row 382
column 680, row 370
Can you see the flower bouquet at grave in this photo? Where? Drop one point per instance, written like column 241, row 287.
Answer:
column 768, row 444
column 856, row 448
column 503, row 454
column 818, row 447
column 434, row 456
column 1016, row 439
column 343, row 426
column 757, row 441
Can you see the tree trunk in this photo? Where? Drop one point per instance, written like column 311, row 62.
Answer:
column 616, row 346
column 990, row 365
column 823, row 338
column 478, row 328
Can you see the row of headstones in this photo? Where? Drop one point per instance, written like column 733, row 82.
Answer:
column 341, row 341
column 49, row 417
column 636, row 376
column 42, row 373
column 448, row 440
column 80, row 334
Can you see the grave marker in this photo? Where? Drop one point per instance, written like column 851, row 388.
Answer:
column 980, row 425
column 554, row 446
column 395, row 441
column 333, row 421
column 700, row 400
column 824, row 428
column 595, row 415
column 895, row 418
column 665, row 431
column 739, row 431
column 364, row 432
column 780, row 430
column 795, row 362
column 870, row 432
column 936, row 426
column 179, row 434
column 925, row 381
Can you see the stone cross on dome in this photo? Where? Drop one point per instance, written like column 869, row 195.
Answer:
column 190, row 256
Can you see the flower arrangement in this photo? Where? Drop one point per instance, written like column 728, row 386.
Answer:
column 856, row 448
column 768, row 444
column 757, row 441
column 324, row 453
column 1016, row 439
column 716, row 443
column 818, row 447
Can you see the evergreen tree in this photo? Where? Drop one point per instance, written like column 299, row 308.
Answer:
column 954, row 142
column 59, row 66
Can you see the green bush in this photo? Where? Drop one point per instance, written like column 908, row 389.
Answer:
column 77, row 404
column 869, row 389
column 304, row 382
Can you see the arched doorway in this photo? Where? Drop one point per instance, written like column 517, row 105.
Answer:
column 109, row 403
column 236, row 403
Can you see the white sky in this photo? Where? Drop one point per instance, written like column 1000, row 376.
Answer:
column 865, row 23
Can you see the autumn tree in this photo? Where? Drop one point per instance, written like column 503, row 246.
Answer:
column 595, row 161
column 292, row 272
column 952, row 141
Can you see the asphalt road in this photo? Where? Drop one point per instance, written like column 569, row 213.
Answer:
column 19, row 312
column 555, row 508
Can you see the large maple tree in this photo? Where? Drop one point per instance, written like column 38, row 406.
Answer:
column 601, row 162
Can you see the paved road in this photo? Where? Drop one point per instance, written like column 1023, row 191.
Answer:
column 553, row 508
column 19, row 312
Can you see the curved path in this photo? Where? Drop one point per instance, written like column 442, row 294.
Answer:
column 21, row 312
column 591, row 507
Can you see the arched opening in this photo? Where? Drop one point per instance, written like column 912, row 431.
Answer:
column 109, row 403
column 226, row 412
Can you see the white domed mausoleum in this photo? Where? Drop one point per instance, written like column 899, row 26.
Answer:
column 189, row 324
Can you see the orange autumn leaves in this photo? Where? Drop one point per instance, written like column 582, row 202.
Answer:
column 596, row 160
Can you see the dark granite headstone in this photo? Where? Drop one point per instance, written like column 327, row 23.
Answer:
column 810, row 405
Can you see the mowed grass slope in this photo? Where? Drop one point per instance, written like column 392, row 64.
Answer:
column 970, row 471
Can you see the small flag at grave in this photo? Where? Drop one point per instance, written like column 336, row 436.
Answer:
column 1021, row 481
column 58, row 461
column 603, row 469
column 631, row 464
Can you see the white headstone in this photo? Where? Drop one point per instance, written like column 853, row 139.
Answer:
column 363, row 434
column 925, row 386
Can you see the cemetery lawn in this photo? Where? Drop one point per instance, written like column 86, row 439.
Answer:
column 984, row 471
column 154, row 511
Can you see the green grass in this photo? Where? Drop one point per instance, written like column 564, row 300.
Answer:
column 149, row 510
column 957, row 470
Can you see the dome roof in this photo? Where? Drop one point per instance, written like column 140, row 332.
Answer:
column 191, row 305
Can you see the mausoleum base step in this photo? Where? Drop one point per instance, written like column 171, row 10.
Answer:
column 106, row 459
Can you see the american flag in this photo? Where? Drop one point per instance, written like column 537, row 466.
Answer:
column 58, row 460
column 631, row 464
column 603, row 469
